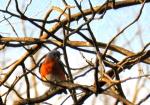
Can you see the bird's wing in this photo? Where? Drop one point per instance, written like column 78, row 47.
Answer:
column 62, row 65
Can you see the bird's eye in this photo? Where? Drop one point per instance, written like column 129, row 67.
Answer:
column 55, row 55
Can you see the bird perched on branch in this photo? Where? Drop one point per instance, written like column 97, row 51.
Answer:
column 52, row 69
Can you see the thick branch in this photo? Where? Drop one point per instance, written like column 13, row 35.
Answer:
column 30, row 41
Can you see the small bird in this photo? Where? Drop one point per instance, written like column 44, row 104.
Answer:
column 52, row 69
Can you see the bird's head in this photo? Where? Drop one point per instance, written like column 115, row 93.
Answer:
column 54, row 54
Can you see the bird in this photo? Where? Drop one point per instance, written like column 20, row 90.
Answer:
column 52, row 69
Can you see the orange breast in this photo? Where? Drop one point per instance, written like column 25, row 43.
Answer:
column 46, row 67
column 51, row 66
